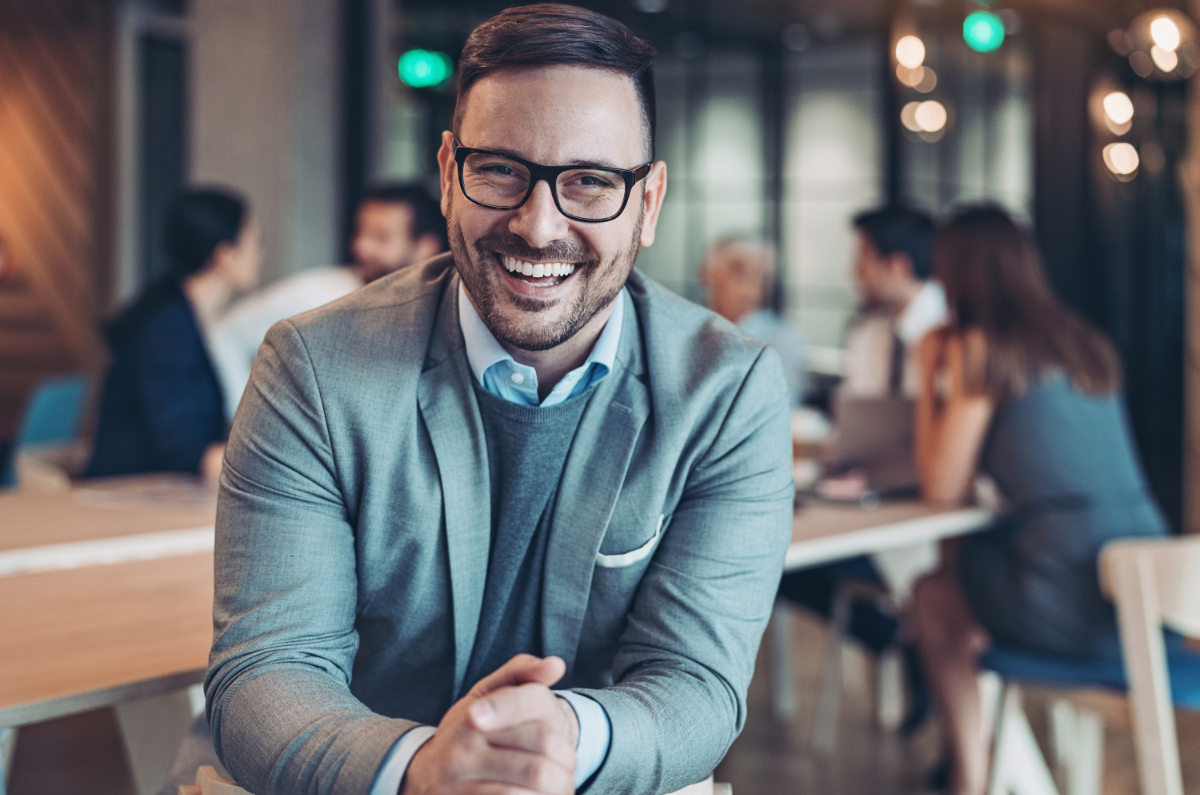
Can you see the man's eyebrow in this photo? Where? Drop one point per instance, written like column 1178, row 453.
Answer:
column 500, row 150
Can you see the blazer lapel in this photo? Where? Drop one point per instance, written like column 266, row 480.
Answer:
column 591, row 482
column 451, row 416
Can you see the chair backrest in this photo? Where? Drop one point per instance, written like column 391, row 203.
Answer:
column 54, row 414
column 1175, row 563
column 1153, row 582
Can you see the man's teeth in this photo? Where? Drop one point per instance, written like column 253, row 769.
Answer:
column 538, row 269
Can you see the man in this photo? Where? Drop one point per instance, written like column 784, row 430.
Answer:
column 521, row 466
column 395, row 226
column 738, row 276
column 900, row 302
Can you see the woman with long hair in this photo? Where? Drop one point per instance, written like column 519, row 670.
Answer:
column 162, row 407
column 1020, row 388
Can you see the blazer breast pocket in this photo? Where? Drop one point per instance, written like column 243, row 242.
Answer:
column 620, row 561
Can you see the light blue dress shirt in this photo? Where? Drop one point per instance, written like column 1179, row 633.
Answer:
column 500, row 374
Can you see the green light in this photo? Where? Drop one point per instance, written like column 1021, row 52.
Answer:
column 425, row 68
column 983, row 31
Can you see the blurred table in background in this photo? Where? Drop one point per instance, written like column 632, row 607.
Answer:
column 901, row 536
column 107, row 601
column 824, row 532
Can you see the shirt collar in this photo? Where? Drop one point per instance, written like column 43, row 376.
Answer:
column 925, row 311
column 483, row 349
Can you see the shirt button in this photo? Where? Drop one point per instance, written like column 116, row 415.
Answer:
column 517, row 378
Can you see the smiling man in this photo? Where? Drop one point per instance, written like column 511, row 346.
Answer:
column 512, row 520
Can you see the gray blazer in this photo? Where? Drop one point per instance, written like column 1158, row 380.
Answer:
column 354, row 523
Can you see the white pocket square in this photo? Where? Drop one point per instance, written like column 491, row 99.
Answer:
column 633, row 556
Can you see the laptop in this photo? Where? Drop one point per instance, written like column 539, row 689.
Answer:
column 876, row 435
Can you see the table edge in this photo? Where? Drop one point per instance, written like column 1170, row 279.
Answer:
column 37, row 711
column 885, row 537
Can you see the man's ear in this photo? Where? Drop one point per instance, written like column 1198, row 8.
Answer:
column 221, row 259
column 446, row 169
column 901, row 265
column 652, row 201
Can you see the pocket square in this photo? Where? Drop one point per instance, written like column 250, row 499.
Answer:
column 633, row 556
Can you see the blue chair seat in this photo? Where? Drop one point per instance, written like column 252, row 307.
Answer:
column 1183, row 666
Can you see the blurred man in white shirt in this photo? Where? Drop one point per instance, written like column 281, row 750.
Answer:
column 738, row 275
column 395, row 226
column 900, row 302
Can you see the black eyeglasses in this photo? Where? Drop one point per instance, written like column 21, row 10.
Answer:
column 582, row 193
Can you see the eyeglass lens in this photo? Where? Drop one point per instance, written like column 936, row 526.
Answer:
column 500, row 182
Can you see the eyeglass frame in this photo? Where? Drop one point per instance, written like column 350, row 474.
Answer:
column 550, row 174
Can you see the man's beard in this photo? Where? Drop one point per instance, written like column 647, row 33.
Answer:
column 481, row 273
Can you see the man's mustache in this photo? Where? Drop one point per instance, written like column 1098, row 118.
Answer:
column 556, row 251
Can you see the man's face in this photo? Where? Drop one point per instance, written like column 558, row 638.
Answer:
column 737, row 285
column 383, row 238
column 882, row 281
column 553, row 115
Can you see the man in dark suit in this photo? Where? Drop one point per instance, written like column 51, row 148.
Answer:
column 517, row 466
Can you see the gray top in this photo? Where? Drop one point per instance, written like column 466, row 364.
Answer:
column 1056, row 449
column 527, row 447
column 1065, row 461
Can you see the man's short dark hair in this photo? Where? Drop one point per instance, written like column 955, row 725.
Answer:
column 427, row 212
column 553, row 34
column 898, row 229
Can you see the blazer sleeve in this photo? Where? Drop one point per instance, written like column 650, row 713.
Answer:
column 173, row 381
column 687, row 653
column 278, row 697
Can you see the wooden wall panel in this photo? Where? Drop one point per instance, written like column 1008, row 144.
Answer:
column 55, row 76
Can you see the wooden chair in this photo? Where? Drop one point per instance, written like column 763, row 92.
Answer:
column 1155, row 584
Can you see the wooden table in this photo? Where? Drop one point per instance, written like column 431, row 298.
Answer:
column 97, row 635
column 823, row 532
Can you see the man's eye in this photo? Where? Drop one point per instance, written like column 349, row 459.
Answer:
column 499, row 170
column 594, row 181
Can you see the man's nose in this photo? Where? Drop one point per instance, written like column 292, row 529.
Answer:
column 538, row 221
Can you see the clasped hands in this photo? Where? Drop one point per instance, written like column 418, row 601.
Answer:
column 510, row 735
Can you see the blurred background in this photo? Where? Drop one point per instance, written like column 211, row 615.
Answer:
column 778, row 119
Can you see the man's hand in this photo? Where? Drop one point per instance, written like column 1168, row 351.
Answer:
column 510, row 735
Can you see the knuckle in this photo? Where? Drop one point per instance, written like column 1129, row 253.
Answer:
column 543, row 736
column 539, row 775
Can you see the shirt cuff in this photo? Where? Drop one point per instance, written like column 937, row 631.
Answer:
column 595, row 734
column 395, row 764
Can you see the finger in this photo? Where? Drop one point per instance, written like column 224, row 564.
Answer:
column 493, row 788
column 520, row 769
column 537, row 737
column 510, row 706
column 522, row 669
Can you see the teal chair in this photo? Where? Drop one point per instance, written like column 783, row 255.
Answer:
column 53, row 416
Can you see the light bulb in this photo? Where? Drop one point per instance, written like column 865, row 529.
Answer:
column 1165, row 34
column 910, row 52
column 1121, row 158
column 1166, row 60
column 1118, row 107
column 930, row 116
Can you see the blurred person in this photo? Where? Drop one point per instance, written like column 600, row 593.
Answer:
column 738, row 276
column 899, row 305
column 900, row 302
column 1020, row 388
column 162, row 408
column 519, row 465
column 395, row 226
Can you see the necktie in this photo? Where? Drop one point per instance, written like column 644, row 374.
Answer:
column 896, row 381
